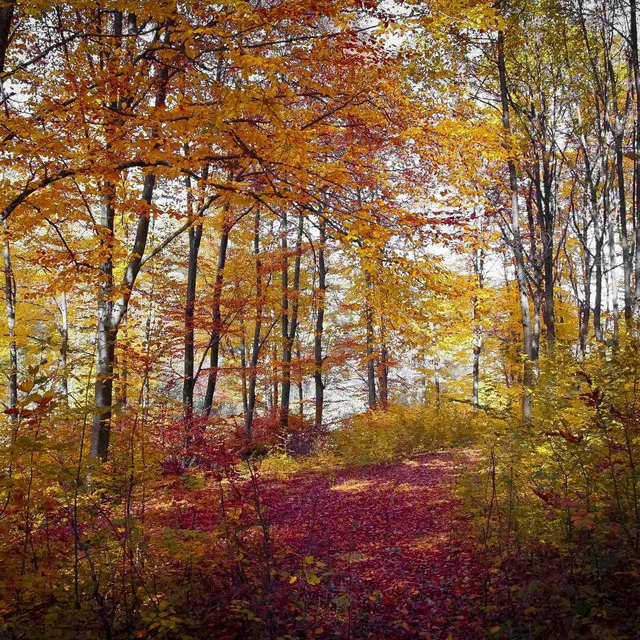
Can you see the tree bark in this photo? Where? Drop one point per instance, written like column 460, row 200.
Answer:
column 478, row 267
column 585, row 307
column 300, row 386
column 106, row 333
column 615, row 311
column 383, row 376
column 6, row 16
column 317, row 343
column 543, row 181
column 255, row 346
column 243, row 371
column 195, row 238
column 111, row 314
column 371, row 365
column 10, row 305
column 216, row 331
column 516, row 242
column 635, row 64
column 624, row 236
column 64, row 346
column 289, row 324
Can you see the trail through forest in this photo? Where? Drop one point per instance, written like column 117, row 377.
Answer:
column 379, row 552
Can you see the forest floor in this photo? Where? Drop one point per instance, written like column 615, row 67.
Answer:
column 377, row 552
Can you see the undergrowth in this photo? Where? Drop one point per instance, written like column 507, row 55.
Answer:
column 383, row 436
column 556, row 503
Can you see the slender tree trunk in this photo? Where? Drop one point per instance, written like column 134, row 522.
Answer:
column 615, row 312
column 600, row 239
column 284, row 321
column 195, row 238
column 635, row 64
column 216, row 331
column 243, row 371
column 542, row 180
column 64, row 346
column 478, row 265
column 538, row 297
column 255, row 347
column 10, row 305
column 275, row 381
column 107, row 330
column 371, row 364
column 317, row 343
column 106, row 333
column 289, row 324
column 516, row 242
column 122, row 376
column 585, row 307
column 624, row 237
column 6, row 16
column 110, row 313
column 597, row 303
column 383, row 377
column 477, row 351
column 549, row 264
column 300, row 385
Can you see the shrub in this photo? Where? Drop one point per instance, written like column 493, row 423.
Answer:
column 378, row 436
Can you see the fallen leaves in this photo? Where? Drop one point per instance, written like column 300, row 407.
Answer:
column 384, row 552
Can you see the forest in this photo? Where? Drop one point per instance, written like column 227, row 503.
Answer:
column 321, row 319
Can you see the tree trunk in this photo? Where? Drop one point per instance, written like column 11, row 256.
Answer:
column 111, row 314
column 317, row 343
column 624, row 238
column 585, row 307
column 300, row 393
column 10, row 305
column 548, row 260
column 106, row 343
column 371, row 365
column 284, row 320
column 615, row 312
column 478, row 266
column 516, row 242
column 255, row 347
column 64, row 346
column 383, row 377
column 289, row 325
column 106, row 333
column 216, row 331
column 195, row 237
column 538, row 297
column 597, row 303
column 635, row 64
column 6, row 16
column 243, row 371
column 275, row 381
column 542, row 180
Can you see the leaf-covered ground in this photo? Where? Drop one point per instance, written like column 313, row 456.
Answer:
column 378, row 552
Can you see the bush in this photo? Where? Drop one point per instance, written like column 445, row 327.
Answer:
column 378, row 436
column 557, row 501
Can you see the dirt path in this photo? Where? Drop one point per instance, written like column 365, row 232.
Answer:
column 375, row 553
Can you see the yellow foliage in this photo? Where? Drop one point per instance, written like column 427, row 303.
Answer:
column 404, row 430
